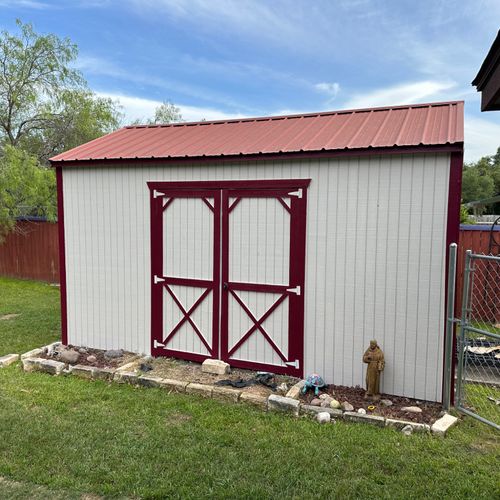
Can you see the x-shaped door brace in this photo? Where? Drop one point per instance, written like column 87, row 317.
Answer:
column 258, row 325
column 187, row 317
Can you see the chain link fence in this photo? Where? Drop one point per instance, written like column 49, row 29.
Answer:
column 478, row 346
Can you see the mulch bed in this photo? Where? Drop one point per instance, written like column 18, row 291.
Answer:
column 355, row 396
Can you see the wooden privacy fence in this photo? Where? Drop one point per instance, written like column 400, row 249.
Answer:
column 481, row 240
column 31, row 251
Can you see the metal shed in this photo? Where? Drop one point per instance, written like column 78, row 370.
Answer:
column 278, row 243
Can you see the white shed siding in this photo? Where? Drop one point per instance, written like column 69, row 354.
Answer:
column 376, row 233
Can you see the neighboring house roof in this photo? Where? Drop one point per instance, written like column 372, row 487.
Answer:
column 484, row 202
column 487, row 80
column 434, row 124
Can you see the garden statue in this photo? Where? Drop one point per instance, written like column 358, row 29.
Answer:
column 315, row 382
column 374, row 357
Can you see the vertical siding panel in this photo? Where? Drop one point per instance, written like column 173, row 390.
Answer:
column 375, row 260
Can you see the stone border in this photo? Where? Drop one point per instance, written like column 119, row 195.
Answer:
column 274, row 403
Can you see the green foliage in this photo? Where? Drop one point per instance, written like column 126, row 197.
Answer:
column 78, row 116
column 26, row 188
column 481, row 179
column 165, row 113
column 465, row 218
column 33, row 69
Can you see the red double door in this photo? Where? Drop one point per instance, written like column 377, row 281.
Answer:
column 227, row 264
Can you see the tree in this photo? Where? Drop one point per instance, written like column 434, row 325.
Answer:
column 78, row 116
column 481, row 179
column 33, row 69
column 26, row 188
column 165, row 113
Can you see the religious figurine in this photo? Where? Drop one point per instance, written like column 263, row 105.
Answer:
column 374, row 357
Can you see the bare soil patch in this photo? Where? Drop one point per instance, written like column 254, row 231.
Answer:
column 6, row 317
column 355, row 396
column 187, row 371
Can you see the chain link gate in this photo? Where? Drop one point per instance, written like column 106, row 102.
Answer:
column 477, row 384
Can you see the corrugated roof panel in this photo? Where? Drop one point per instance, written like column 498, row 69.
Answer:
column 414, row 125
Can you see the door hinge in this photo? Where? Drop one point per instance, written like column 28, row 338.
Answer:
column 296, row 193
column 157, row 279
column 295, row 364
column 157, row 194
column 157, row 344
column 295, row 290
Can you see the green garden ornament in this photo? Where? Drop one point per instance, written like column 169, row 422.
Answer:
column 313, row 381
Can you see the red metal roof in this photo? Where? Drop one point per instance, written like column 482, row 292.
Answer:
column 391, row 127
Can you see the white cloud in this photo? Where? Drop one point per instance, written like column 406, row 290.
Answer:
column 482, row 137
column 28, row 4
column 331, row 89
column 138, row 108
column 405, row 93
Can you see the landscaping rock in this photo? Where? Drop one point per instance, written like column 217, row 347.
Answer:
column 8, row 360
column 282, row 388
column 282, row 404
column 314, row 410
column 82, row 371
column 215, row 366
column 127, row 367
column 103, row 373
column 254, row 400
column 346, row 406
column 335, row 404
column 386, row 402
column 31, row 364
column 441, row 426
column 113, row 353
column 325, row 397
column 294, row 392
column 412, row 409
column 82, row 350
column 69, row 356
column 226, row 394
column 149, row 381
column 173, row 385
column 323, row 417
column 200, row 389
column 34, row 353
column 125, row 377
column 401, row 424
column 362, row 411
column 50, row 366
column 91, row 359
column 361, row 417
column 407, row 430
column 316, row 402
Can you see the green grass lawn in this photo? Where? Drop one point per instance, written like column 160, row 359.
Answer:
column 64, row 437
column 38, row 323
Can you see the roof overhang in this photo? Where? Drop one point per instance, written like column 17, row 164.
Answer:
column 300, row 155
column 487, row 80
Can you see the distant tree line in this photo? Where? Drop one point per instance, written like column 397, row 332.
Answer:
column 46, row 107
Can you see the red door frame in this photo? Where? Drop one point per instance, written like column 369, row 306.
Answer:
column 157, row 287
column 296, row 278
column 296, row 272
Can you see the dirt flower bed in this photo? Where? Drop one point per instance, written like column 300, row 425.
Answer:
column 100, row 361
column 355, row 396
column 191, row 372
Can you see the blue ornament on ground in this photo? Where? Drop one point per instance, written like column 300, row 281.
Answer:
column 313, row 381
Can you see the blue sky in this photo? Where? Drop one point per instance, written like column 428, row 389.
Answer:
column 229, row 58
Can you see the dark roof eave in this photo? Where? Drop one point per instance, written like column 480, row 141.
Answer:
column 370, row 151
column 491, row 60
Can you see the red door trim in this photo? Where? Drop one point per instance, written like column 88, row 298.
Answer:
column 62, row 256
column 204, row 185
column 157, row 207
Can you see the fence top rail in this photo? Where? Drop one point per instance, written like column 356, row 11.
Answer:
column 495, row 258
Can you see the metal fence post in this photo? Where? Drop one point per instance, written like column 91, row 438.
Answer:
column 450, row 321
column 463, row 325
